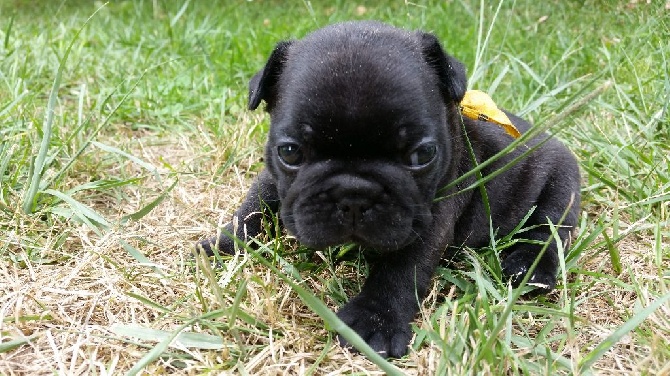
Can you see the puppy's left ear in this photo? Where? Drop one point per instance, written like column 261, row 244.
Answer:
column 263, row 85
column 450, row 72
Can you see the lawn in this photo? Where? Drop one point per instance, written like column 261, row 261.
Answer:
column 125, row 138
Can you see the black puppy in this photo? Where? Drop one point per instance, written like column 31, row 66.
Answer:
column 365, row 130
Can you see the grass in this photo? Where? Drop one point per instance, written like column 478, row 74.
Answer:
column 124, row 138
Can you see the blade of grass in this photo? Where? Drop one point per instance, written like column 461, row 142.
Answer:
column 83, row 212
column 180, row 13
column 8, row 32
column 614, row 253
column 149, row 302
column 185, row 339
column 110, row 149
column 163, row 345
column 137, row 255
column 10, row 106
column 32, row 193
column 157, row 351
column 482, row 45
column 149, row 207
column 14, row 343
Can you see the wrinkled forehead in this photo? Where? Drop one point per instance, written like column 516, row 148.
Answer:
column 358, row 65
column 359, row 83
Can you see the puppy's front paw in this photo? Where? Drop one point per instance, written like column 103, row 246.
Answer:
column 225, row 245
column 378, row 326
column 516, row 266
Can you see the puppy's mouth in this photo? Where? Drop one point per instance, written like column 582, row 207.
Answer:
column 351, row 209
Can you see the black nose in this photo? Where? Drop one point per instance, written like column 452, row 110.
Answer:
column 354, row 197
column 352, row 209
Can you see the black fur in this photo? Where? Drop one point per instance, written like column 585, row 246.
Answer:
column 357, row 110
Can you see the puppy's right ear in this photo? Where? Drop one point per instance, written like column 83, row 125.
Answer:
column 450, row 72
column 263, row 85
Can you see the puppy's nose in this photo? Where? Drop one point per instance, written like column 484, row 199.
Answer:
column 354, row 196
column 352, row 209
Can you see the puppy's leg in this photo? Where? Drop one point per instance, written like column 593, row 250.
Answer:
column 518, row 261
column 398, row 282
column 390, row 299
column 261, row 201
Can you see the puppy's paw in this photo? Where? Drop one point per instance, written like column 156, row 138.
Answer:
column 378, row 326
column 516, row 266
column 224, row 243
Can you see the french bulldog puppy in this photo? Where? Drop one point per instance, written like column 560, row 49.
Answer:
column 365, row 132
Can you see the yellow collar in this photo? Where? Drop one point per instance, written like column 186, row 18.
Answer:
column 478, row 105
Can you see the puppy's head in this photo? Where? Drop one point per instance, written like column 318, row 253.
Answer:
column 362, row 119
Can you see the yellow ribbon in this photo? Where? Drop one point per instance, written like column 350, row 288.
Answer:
column 477, row 105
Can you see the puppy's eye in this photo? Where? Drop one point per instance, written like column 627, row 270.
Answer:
column 422, row 155
column 290, row 154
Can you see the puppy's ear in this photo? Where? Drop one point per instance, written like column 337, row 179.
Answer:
column 263, row 84
column 450, row 72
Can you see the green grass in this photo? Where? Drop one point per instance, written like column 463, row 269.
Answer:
column 124, row 137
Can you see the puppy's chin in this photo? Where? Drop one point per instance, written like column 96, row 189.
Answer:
column 323, row 228
column 384, row 212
